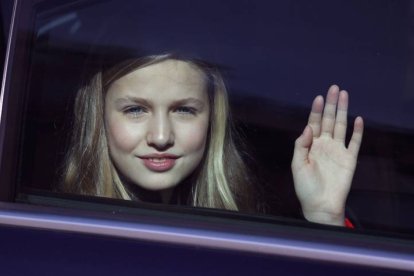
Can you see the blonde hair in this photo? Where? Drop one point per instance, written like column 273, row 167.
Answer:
column 221, row 181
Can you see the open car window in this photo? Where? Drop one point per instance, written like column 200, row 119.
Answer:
column 274, row 59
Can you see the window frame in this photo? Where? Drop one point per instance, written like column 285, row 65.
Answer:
column 303, row 241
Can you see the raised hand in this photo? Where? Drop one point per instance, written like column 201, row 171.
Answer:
column 322, row 166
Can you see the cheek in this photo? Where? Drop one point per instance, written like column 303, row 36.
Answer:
column 122, row 136
column 193, row 138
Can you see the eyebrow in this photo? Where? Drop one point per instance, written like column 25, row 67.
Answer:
column 128, row 99
column 194, row 101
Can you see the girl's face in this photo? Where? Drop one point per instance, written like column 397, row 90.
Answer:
column 157, row 120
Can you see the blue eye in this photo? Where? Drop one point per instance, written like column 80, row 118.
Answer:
column 186, row 110
column 134, row 111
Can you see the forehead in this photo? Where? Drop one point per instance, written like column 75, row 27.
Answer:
column 172, row 75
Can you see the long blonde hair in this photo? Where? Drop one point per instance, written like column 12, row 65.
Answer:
column 221, row 181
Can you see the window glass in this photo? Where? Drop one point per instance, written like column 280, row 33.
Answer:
column 274, row 59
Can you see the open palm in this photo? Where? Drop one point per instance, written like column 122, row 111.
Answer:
column 322, row 165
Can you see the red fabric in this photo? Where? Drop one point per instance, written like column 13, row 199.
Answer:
column 348, row 224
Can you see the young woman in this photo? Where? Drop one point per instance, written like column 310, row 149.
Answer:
column 160, row 125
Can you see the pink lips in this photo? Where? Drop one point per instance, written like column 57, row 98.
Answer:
column 159, row 162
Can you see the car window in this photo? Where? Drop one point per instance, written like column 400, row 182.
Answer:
column 274, row 59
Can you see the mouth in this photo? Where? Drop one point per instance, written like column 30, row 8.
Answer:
column 159, row 162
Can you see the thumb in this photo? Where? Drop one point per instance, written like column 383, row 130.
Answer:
column 302, row 147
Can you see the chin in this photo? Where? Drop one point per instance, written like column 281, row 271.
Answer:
column 158, row 185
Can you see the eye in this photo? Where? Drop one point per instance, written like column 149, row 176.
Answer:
column 134, row 111
column 186, row 110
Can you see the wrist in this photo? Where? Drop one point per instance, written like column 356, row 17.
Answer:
column 325, row 217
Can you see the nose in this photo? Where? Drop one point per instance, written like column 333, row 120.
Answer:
column 160, row 132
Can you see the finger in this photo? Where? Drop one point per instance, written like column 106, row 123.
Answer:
column 302, row 146
column 341, row 117
column 328, row 118
column 356, row 138
column 315, row 116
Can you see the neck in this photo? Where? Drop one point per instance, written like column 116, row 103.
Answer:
column 166, row 195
